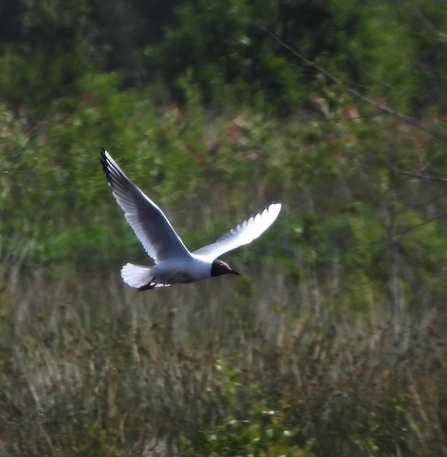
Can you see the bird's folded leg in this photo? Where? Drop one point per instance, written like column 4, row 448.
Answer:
column 149, row 285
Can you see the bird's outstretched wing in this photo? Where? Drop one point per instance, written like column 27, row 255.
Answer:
column 244, row 233
column 146, row 219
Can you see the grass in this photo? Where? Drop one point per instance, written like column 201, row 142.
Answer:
column 220, row 368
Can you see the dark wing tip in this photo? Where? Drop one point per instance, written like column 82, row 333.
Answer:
column 103, row 155
column 105, row 163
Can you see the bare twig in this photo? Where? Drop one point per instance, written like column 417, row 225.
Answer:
column 410, row 229
column 426, row 23
column 419, row 176
column 353, row 118
column 357, row 94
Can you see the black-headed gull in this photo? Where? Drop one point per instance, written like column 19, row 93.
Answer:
column 173, row 263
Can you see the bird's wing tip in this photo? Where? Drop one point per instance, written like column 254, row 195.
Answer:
column 104, row 154
column 103, row 160
column 274, row 208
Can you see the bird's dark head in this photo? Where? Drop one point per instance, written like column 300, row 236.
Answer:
column 219, row 268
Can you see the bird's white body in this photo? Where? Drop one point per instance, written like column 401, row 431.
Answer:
column 172, row 271
column 173, row 262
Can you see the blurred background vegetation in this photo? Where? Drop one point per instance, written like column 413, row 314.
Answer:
column 334, row 340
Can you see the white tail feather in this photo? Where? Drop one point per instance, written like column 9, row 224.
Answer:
column 136, row 276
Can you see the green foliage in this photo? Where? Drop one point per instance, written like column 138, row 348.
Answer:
column 263, row 432
column 395, row 52
column 224, row 46
column 228, row 45
column 329, row 173
column 49, row 59
column 263, row 435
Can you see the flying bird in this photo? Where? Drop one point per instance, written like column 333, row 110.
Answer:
column 173, row 263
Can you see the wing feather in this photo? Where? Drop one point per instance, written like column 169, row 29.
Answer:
column 244, row 233
column 147, row 220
